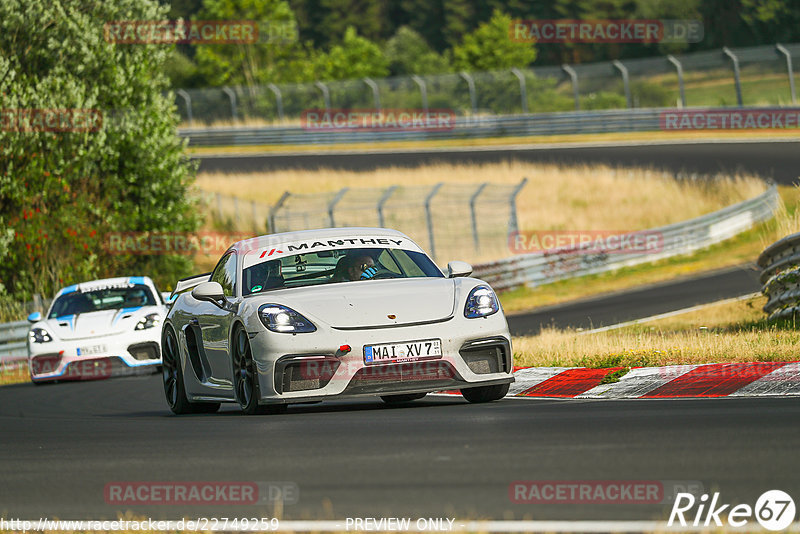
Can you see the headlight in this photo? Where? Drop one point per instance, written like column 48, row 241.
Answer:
column 148, row 321
column 39, row 335
column 481, row 302
column 282, row 319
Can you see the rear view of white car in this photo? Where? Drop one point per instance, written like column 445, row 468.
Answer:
column 96, row 330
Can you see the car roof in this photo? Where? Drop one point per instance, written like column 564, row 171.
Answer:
column 143, row 280
column 323, row 233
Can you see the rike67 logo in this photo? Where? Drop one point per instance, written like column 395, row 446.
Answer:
column 774, row 510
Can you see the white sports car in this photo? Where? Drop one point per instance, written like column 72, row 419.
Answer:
column 96, row 330
column 321, row 314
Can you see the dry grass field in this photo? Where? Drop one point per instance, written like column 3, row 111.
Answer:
column 555, row 198
column 725, row 332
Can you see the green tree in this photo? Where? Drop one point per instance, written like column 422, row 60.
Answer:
column 408, row 53
column 356, row 57
column 490, row 47
column 62, row 192
column 278, row 56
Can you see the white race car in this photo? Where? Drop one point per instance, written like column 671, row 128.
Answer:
column 321, row 314
column 96, row 330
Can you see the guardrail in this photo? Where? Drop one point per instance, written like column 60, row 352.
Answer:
column 534, row 269
column 569, row 122
column 780, row 277
column 14, row 341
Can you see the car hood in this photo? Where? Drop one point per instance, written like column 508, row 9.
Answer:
column 372, row 303
column 98, row 323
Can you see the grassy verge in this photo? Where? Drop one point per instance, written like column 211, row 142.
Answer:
column 503, row 141
column 17, row 374
column 738, row 250
column 726, row 332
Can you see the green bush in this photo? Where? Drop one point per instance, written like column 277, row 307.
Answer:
column 62, row 192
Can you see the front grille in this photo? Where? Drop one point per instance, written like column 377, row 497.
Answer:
column 304, row 374
column 145, row 351
column 45, row 363
column 432, row 375
column 487, row 356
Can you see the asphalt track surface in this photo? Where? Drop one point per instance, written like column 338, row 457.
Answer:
column 643, row 301
column 63, row 443
column 778, row 161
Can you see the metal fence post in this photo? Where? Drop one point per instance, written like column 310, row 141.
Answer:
column 278, row 99
column 735, row 60
column 219, row 206
column 782, row 50
column 235, row 210
column 326, row 95
column 274, row 210
column 332, row 205
column 523, row 90
column 513, row 224
column 188, row 101
column 429, row 217
column 474, row 217
column 376, row 97
column 423, row 90
column 381, row 203
column 573, row 76
column 672, row 59
column 255, row 217
column 625, row 80
column 471, row 85
column 232, row 96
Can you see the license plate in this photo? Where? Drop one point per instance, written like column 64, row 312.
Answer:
column 93, row 349
column 407, row 351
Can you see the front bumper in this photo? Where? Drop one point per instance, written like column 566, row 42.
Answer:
column 96, row 357
column 293, row 368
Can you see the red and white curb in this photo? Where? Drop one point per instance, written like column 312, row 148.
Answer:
column 756, row 379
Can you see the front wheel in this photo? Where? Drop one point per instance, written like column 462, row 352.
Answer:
column 245, row 378
column 485, row 393
column 174, row 389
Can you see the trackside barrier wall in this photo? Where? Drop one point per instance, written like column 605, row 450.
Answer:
column 535, row 269
column 574, row 122
column 780, row 277
column 13, row 341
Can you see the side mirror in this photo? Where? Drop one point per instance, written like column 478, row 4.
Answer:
column 35, row 317
column 458, row 268
column 209, row 291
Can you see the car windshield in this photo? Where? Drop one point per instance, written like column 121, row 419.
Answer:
column 336, row 266
column 108, row 298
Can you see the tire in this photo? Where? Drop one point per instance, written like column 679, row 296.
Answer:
column 172, row 376
column 397, row 399
column 245, row 378
column 485, row 393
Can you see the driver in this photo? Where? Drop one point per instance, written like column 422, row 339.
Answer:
column 361, row 268
column 135, row 298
